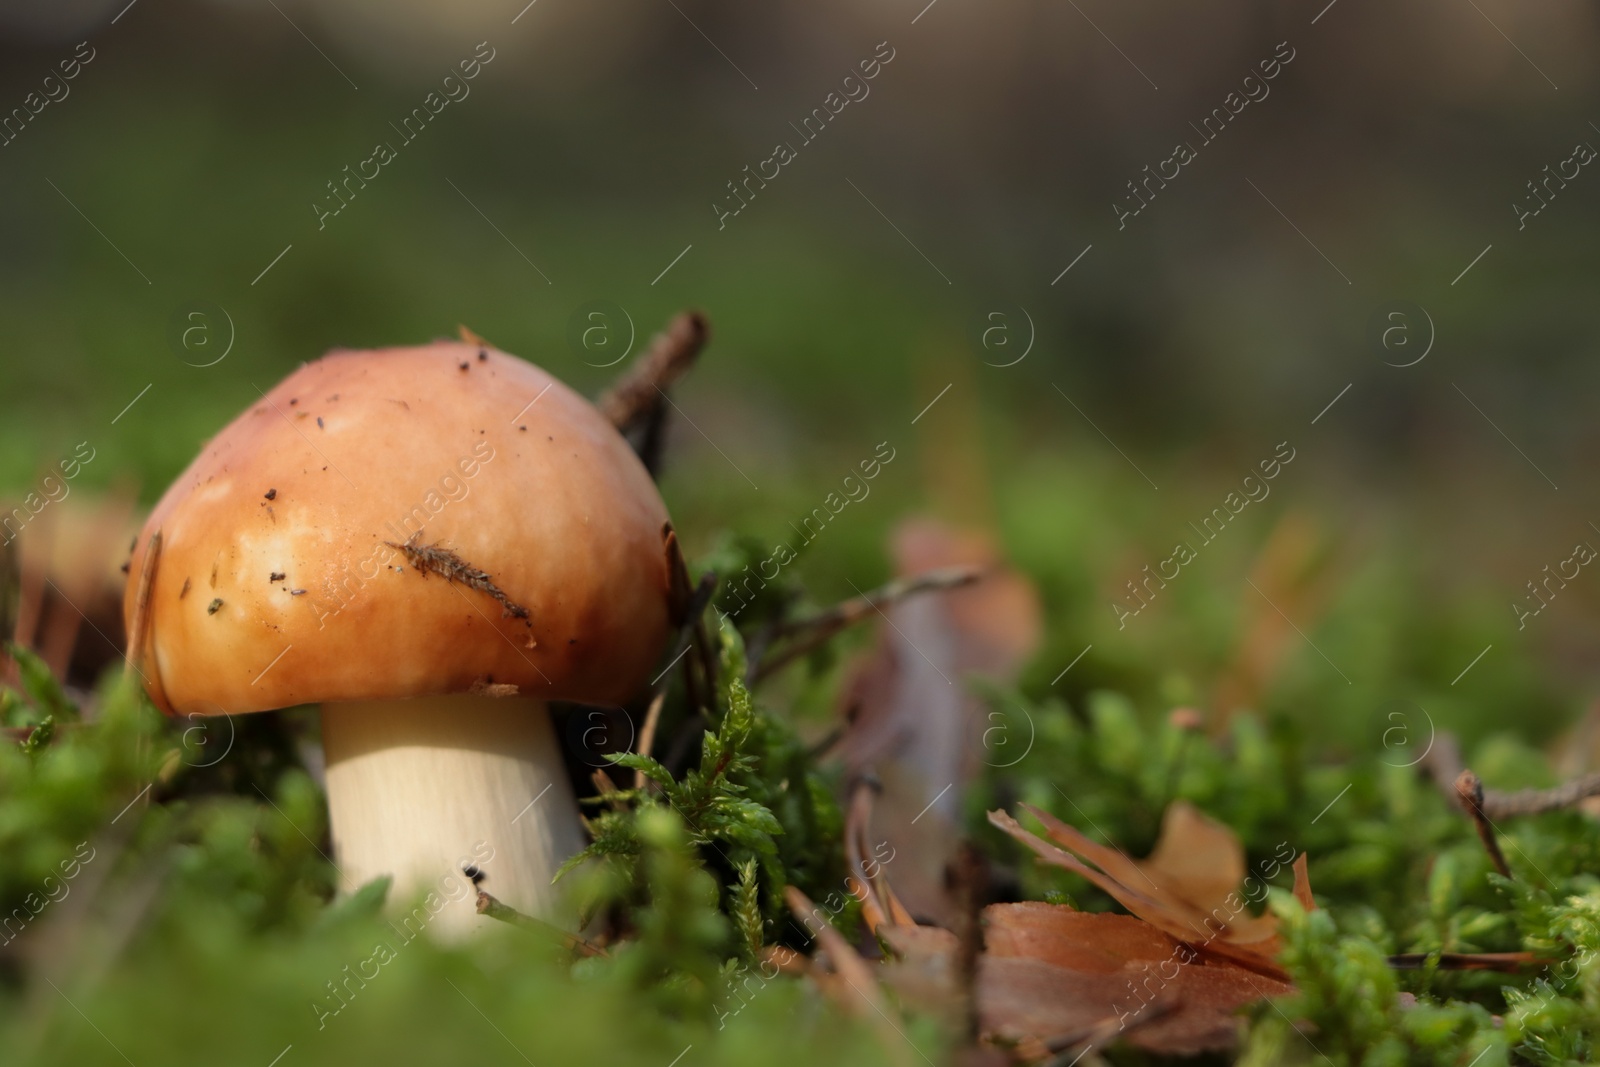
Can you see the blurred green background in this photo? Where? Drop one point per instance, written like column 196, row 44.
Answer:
column 861, row 282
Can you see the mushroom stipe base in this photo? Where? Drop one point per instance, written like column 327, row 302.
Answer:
column 419, row 788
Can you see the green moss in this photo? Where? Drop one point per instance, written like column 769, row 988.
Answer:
column 186, row 915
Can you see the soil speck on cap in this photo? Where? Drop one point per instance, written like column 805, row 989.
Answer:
column 213, row 607
column 465, row 364
column 293, row 400
column 483, row 355
column 297, row 592
column 271, row 494
column 185, row 590
column 275, row 576
column 319, row 422
column 523, row 428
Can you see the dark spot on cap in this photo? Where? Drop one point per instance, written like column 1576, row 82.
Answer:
column 297, row 592
column 125, row 566
column 275, row 576
column 483, row 354
column 213, row 607
column 185, row 590
column 572, row 640
column 465, row 364
column 293, row 400
column 319, row 422
column 524, row 428
column 271, row 494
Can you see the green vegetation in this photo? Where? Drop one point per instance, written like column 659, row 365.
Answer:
column 185, row 912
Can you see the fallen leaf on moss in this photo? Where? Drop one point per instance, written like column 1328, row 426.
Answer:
column 1052, row 977
column 1188, row 888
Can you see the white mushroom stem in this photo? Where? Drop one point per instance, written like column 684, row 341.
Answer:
column 419, row 788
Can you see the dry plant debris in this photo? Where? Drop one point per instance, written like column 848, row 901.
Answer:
column 431, row 559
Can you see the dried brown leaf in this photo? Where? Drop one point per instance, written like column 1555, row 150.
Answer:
column 1161, row 893
column 1302, row 884
column 1053, row 975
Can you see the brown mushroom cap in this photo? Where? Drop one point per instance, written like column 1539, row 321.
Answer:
column 279, row 583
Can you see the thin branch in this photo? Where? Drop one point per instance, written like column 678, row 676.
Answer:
column 1498, row 805
column 1469, row 793
column 803, row 635
column 647, row 734
column 494, row 909
column 637, row 393
column 1444, row 763
column 1509, row 962
column 689, row 633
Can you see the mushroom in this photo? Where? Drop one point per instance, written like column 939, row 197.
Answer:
column 439, row 575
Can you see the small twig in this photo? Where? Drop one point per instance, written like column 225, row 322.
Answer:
column 803, row 635
column 706, row 654
column 647, row 733
column 1469, row 792
column 677, row 756
column 1508, row 962
column 1498, row 805
column 637, row 393
column 652, row 439
column 698, row 600
column 679, row 592
column 494, row 909
column 700, row 687
column 879, row 905
column 1444, row 763
column 704, row 650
